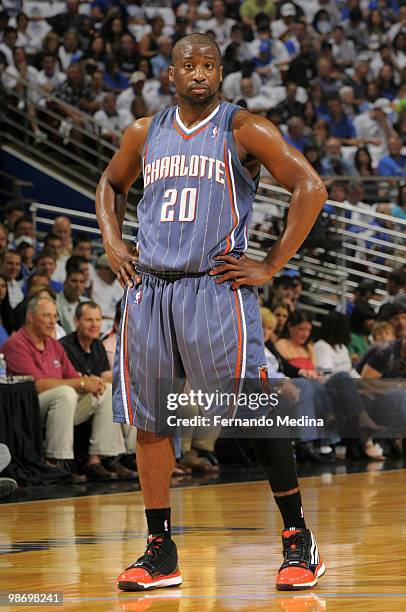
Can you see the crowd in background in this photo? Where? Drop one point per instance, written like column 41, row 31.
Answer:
column 330, row 74
column 60, row 303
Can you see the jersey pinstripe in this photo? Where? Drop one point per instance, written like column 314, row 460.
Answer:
column 197, row 198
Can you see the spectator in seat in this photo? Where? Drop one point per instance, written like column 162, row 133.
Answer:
column 68, row 299
column 362, row 320
column 162, row 60
column 66, row 397
column 220, row 24
column 333, row 164
column 127, row 54
column 110, row 121
column 45, row 265
column 8, row 44
column 114, row 80
column 283, row 292
column 327, row 77
column 35, row 285
column 339, row 123
column 69, row 52
column 137, row 82
column 397, row 210
column 106, row 291
column 373, row 126
column 249, row 9
column 3, row 240
column 290, row 107
column 296, row 136
column 6, row 312
column 24, row 226
column 25, row 247
column 53, row 243
column 395, row 285
column 69, row 20
column 62, row 228
column 159, row 97
column 74, row 96
column 294, row 344
column 88, row 356
column 393, row 164
column 343, row 48
column 76, row 263
column 11, row 269
column 82, row 246
column 149, row 42
column 49, row 77
column 302, row 68
column 281, row 313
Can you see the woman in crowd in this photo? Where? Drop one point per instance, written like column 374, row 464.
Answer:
column 388, row 87
column 295, row 344
column 95, row 54
column 281, row 313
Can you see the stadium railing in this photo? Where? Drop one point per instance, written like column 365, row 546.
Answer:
column 350, row 244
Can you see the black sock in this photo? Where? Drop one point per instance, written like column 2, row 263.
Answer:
column 159, row 521
column 290, row 507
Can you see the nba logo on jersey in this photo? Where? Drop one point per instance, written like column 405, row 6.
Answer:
column 138, row 296
column 215, row 132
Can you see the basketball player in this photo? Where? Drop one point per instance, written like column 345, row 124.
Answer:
column 190, row 309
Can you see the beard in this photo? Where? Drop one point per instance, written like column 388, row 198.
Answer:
column 202, row 101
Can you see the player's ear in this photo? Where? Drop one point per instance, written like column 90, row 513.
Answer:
column 171, row 74
column 221, row 74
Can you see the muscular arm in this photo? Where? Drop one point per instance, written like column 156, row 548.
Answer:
column 111, row 198
column 260, row 138
column 256, row 137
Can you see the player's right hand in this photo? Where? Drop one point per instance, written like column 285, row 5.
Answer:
column 122, row 258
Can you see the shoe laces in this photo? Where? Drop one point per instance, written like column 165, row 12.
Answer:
column 154, row 547
column 295, row 550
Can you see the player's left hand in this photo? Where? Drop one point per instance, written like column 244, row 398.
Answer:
column 244, row 271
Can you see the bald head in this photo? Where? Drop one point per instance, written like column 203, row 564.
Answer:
column 186, row 42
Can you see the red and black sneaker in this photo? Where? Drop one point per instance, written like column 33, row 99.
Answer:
column 302, row 565
column 158, row 567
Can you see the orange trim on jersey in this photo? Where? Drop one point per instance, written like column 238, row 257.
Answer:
column 126, row 369
column 230, row 191
column 145, row 154
column 240, row 338
column 188, row 136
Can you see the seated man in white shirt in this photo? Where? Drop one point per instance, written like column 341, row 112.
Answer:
column 50, row 76
column 68, row 299
column 106, row 291
column 111, row 121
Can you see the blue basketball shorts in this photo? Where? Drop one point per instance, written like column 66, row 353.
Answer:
column 190, row 329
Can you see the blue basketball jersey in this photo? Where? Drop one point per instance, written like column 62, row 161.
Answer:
column 197, row 198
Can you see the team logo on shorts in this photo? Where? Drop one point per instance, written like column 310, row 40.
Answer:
column 138, row 296
column 263, row 372
column 263, row 378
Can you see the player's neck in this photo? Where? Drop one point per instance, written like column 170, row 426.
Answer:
column 191, row 115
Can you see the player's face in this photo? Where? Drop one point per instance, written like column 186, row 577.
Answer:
column 196, row 74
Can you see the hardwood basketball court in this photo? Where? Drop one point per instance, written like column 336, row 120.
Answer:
column 228, row 539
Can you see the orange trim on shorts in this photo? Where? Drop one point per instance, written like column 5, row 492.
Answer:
column 188, row 136
column 127, row 369
column 230, row 191
column 240, row 338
